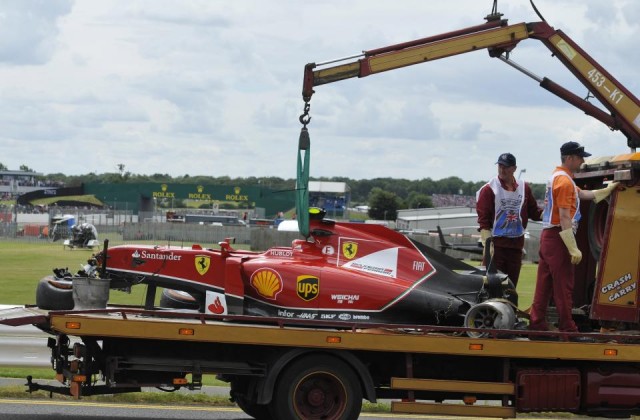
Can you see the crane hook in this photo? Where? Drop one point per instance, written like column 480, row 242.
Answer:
column 305, row 118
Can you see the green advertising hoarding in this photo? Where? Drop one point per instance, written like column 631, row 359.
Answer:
column 146, row 196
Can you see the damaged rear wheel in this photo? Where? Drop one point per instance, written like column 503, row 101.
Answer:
column 489, row 315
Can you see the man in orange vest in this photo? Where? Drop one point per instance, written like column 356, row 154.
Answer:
column 559, row 251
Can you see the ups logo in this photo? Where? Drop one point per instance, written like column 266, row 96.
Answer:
column 308, row 287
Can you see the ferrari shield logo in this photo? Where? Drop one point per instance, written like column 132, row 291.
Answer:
column 202, row 264
column 349, row 249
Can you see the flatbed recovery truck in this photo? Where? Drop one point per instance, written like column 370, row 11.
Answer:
column 282, row 368
column 294, row 369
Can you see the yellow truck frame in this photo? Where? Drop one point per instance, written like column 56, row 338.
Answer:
column 302, row 370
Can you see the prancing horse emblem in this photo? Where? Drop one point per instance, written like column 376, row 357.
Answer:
column 349, row 249
column 202, row 264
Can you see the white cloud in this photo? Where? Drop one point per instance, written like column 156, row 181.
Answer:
column 213, row 87
column 28, row 30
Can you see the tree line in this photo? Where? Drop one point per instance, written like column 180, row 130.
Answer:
column 384, row 194
column 412, row 193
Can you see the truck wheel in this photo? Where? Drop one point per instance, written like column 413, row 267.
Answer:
column 318, row 387
column 257, row 411
column 596, row 226
column 54, row 294
column 239, row 390
column 177, row 299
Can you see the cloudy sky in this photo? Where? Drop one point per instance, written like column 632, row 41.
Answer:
column 212, row 87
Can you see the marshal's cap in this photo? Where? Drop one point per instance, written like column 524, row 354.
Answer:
column 573, row 148
column 506, row 159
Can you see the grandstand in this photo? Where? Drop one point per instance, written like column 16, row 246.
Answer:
column 15, row 183
column 453, row 200
column 333, row 197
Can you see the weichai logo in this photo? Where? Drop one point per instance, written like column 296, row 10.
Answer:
column 308, row 287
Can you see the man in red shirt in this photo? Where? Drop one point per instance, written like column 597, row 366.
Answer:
column 559, row 251
column 504, row 207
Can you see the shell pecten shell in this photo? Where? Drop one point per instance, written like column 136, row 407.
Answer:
column 267, row 283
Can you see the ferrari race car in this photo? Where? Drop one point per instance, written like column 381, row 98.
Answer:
column 353, row 272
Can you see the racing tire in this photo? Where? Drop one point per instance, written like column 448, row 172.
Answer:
column 489, row 315
column 54, row 294
column 317, row 387
column 178, row 299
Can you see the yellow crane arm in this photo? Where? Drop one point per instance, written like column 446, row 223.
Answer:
column 495, row 34
column 498, row 37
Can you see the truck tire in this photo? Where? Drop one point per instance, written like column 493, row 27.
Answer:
column 257, row 411
column 54, row 294
column 317, row 387
column 240, row 388
column 596, row 227
column 177, row 299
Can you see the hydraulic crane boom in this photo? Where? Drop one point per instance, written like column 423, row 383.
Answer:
column 499, row 39
column 494, row 34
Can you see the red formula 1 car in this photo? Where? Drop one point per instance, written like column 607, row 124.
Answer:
column 343, row 272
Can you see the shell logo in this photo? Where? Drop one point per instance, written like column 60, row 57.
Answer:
column 267, row 282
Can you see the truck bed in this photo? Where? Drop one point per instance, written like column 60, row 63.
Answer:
column 138, row 323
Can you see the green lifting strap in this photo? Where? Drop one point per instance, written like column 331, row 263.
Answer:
column 302, row 182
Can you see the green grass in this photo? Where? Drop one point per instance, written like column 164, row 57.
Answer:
column 526, row 285
column 23, row 372
column 89, row 199
column 25, row 263
column 159, row 398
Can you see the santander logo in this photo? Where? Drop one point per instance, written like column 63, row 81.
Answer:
column 216, row 307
